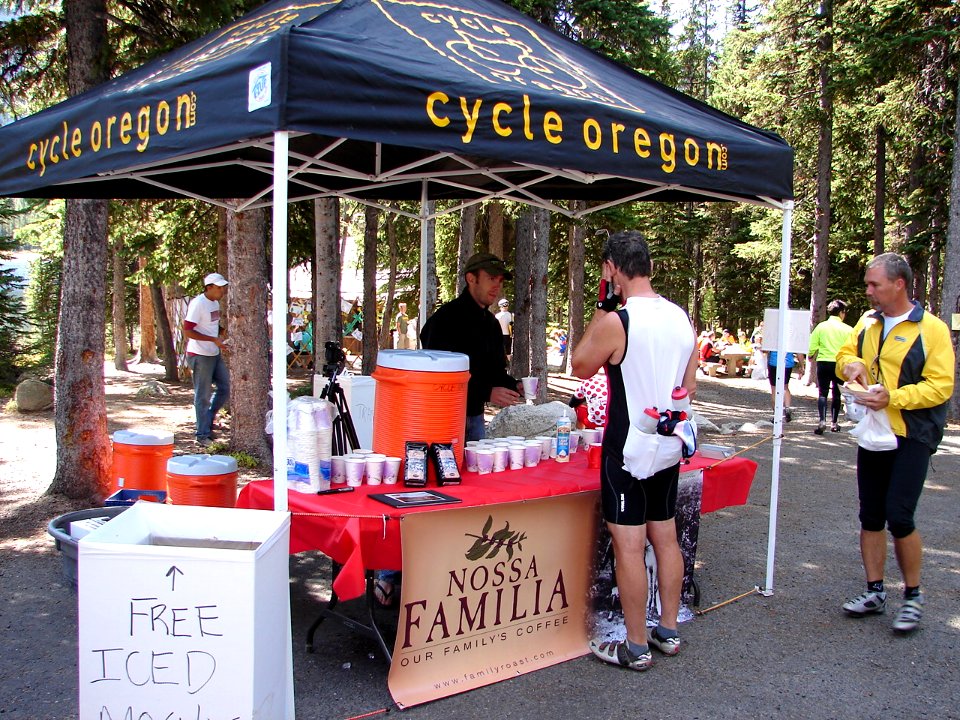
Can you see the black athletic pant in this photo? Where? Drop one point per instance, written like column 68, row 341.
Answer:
column 827, row 378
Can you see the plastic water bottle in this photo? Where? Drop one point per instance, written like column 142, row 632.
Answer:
column 681, row 399
column 648, row 420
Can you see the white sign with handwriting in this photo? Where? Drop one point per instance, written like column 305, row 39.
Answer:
column 167, row 619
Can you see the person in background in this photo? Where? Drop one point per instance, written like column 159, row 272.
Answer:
column 909, row 354
column 708, row 350
column 772, row 361
column 589, row 401
column 465, row 325
column 648, row 349
column 826, row 338
column 505, row 318
column 400, row 323
column 205, row 340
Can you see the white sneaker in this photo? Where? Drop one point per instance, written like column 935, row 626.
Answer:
column 865, row 604
column 668, row 646
column 909, row 614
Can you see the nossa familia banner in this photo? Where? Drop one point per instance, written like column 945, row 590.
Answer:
column 490, row 593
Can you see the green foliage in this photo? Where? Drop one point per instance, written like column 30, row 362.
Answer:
column 244, row 460
column 13, row 317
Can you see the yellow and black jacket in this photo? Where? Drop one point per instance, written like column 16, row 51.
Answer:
column 915, row 363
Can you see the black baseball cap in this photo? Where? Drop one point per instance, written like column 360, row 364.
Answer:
column 489, row 262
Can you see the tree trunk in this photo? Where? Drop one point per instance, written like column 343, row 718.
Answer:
column 520, row 363
column 327, row 322
column 386, row 329
column 223, row 264
column 495, row 228
column 246, row 234
column 84, row 453
column 950, row 303
column 538, row 299
column 821, row 239
column 575, row 274
column 164, row 333
column 430, row 260
column 119, row 309
column 466, row 242
column 370, row 231
column 148, row 333
column 880, row 191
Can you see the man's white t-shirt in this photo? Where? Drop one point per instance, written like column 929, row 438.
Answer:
column 205, row 315
column 505, row 317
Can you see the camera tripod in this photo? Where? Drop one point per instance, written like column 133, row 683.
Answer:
column 344, row 433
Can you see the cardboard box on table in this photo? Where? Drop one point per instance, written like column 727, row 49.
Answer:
column 359, row 391
column 185, row 612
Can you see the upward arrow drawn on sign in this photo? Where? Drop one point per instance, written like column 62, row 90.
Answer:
column 172, row 574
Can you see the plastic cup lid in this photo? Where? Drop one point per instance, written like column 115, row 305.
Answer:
column 423, row 360
column 143, row 436
column 201, row 465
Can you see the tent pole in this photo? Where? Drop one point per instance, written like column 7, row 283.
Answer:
column 778, row 405
column 423, row 259
column 279, row 340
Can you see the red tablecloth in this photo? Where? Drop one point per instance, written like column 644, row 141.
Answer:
column 361, row 534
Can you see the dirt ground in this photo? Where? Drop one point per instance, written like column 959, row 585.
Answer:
column 793, row 654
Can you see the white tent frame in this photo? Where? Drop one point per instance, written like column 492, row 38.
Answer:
column 309, row 170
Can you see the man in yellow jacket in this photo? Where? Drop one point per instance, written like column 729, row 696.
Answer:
column 905, row 357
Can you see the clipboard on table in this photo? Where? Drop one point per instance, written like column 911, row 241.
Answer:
column 414, row 498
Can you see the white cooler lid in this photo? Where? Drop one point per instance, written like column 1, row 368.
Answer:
column 142, row 436
column 423, row 360
column 201, row 465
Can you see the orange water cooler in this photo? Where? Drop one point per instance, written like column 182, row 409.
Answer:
column 209, row 480
column 421, row 395
column 140, row 460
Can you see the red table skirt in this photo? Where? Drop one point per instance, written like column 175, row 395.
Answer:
column 360, row 533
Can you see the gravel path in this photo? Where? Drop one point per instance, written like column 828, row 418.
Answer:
column 789, row 655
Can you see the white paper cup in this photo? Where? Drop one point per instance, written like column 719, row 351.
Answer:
column 544, row 446
column 574, row 441
column 501, row 458
column 589, row 436
column 599, row 430
column 374, row 468
column 530, row 385
column 470, row 457
column 355, row 466
column 531, row 454
column 338, row 470
column 362, row 451
column 485, row 460
column 391, row 470
column 516, row 456
column 514, row 439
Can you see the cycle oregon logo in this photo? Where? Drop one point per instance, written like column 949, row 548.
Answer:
column 497, row 595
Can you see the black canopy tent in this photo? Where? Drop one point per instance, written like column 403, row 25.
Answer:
column 376, row 100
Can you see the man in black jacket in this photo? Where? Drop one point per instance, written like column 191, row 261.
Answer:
column 465, row 325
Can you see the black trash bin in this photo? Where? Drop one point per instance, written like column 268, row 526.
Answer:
column 59, row 528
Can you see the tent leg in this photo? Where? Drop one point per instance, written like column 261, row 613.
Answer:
column 279, row 340
column 767, row 590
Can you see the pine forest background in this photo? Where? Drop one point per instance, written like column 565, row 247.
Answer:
column 865, row 91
